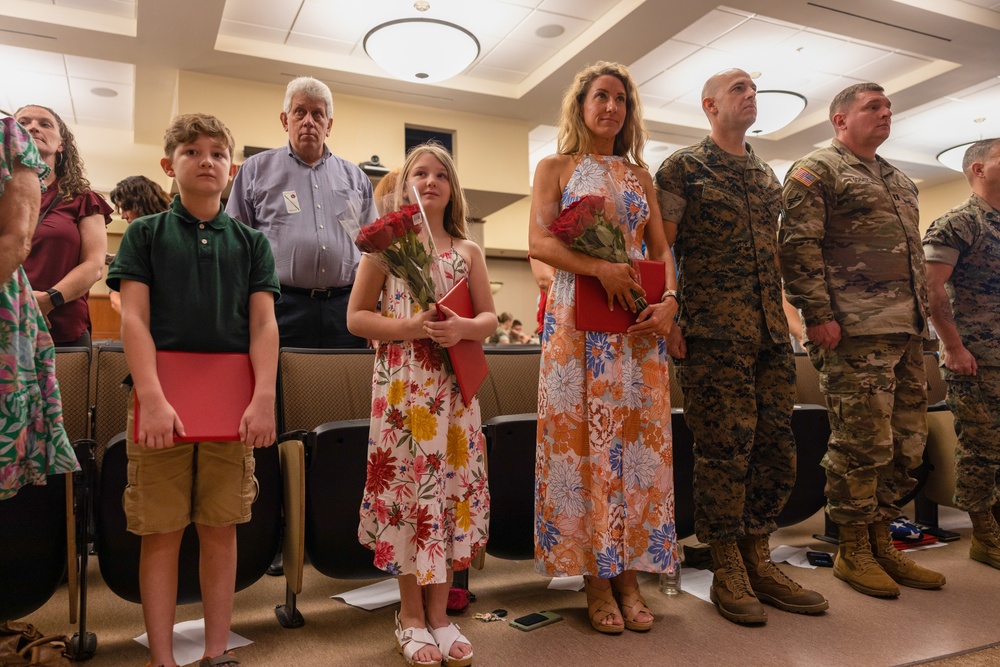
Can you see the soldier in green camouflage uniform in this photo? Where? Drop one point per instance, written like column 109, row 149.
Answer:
column 963, row 281
column 853, row 264
column 734, row 360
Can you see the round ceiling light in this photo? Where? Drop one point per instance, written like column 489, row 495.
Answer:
column 775, row 110
column 952, row 157
column 102, row 91
column 421, row 50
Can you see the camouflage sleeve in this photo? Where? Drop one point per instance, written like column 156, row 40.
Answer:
column 670, row 190
column 948, row 237
column 800, row 241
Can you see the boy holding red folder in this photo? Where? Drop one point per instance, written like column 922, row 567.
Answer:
column 193, row 279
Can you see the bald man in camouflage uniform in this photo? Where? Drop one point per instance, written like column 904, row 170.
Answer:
column 734, row 361
column 853, row 264
column 963, row 281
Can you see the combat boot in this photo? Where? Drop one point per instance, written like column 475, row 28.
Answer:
column 731, row 592
column 985, row 545
column 855, row 564
column 896, row 564
column 773, row 586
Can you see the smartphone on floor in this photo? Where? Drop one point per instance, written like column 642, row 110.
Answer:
column 535, row 620
column 819, row 559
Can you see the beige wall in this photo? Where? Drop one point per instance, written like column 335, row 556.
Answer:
column 939, row 199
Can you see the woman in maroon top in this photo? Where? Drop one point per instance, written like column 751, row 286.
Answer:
column 70, row 242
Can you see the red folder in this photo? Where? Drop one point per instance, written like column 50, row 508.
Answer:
column 592, row 312
column 468, row 361
column 210, row 391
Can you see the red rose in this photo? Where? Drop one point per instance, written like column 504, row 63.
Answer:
column 375, row 237
column 576, row 217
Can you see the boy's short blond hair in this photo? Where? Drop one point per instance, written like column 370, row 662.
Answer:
column 186, row 129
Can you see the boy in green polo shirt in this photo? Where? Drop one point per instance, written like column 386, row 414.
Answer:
column 193, row 279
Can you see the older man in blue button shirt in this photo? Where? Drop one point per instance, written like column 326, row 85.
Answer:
column 297, row 195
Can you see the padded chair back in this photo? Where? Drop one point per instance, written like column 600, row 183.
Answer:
column 510, row 444
column 256, row 541
column 73, row 374
column 32, row 547
column 940, row 456
column 320, row 386
column 811, row 426
column 511, row 388
column 336, row 467
column 111, row 400
column 683, row 474
column 807, row 391
column 937, row 388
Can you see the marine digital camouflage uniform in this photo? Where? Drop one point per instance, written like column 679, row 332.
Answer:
column 739, row 373
column 851, row 252
column 968, row 239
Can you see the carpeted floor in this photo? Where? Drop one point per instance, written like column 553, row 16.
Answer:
column 921, row 627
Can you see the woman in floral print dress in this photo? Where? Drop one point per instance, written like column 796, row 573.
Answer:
column 33, row 442
column 604, row 465
column 425, row 510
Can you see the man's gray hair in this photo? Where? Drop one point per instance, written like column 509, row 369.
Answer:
column 977, row 152
column 314, row 89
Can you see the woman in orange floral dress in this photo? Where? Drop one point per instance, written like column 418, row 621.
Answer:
column 604, row 465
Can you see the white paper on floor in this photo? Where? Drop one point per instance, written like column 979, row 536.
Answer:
column 793, row 556
column 373, row 596
column 189, row 641
column 566, row 583
column 696, row 582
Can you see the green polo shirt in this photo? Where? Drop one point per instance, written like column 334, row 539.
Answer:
column 200, row 276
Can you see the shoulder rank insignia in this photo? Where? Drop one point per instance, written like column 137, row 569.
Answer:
column 804, row 176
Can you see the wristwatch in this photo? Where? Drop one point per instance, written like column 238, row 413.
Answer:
column 670, row 292
column 56, row 297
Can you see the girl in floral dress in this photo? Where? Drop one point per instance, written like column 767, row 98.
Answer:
column 604, row 461
column 425, row 510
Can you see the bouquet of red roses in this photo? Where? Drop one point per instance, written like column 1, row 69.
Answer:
column 587, row 227
column 399, row 243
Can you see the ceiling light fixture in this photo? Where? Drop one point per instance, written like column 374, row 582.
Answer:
column 421, row 50
column 102, row 91
column 952, row 157
column 775, row 110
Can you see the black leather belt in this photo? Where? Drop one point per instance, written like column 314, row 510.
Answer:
column 317, row 293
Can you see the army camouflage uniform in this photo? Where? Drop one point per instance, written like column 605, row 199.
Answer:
column 739, row 373
column 968, row 239
column 851, row 252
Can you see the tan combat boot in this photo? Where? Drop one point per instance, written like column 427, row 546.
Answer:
column 731, row 592
column 896, row 564
column 985, row 539
column 855, row 564
column 773, row 586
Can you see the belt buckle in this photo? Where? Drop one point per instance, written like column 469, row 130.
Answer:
column 319, row 293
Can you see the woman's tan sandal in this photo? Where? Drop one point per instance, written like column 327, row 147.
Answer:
column 600, row 606
column 447, row 637
column 410, row 641
column 631, row 603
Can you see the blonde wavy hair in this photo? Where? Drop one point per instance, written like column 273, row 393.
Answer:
column 575, row 138
column 69, row 165
column 457, row 209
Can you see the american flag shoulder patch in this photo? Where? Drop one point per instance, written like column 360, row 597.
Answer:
column 804, row 176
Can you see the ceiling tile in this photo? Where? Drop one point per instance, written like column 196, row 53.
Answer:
column 482, row 17
column 590, row 10
column 497, row 74
column 526, row 30
column 34, row 88
column 91, row 108
column 711, row 27
column 124, row 8
column 318, row 43
column 753, row 36
column 277, row 14
column 518, row 56
column 659, row 59
column 100, row 70
column 809, row 50
column 31, row 60
column 888, row 67
column 253, row 31
column 688, row 75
